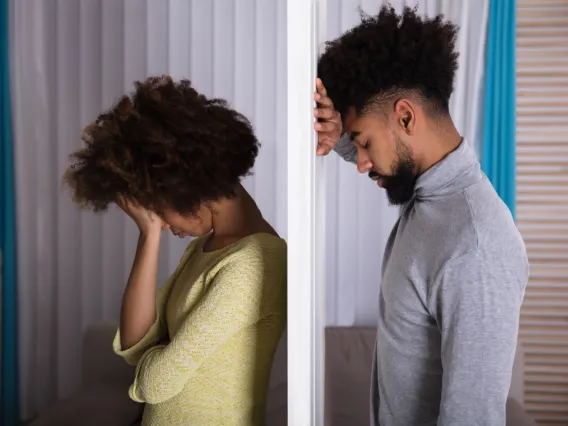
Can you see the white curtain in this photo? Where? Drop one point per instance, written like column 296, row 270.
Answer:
column 72, row 59
column 359, row 219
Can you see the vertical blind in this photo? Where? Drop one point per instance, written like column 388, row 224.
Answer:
column 542, row 202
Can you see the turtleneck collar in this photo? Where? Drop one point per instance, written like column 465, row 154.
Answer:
column 457, row 171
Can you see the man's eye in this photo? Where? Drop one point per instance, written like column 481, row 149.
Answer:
column 365, row 145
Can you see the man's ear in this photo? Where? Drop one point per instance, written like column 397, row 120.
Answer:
column 405, row 114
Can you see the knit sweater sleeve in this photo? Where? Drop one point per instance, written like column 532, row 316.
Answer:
column 157, row 331
column 234, row 301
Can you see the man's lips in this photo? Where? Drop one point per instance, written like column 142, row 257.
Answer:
column 374, row 176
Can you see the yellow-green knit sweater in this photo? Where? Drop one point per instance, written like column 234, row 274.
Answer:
column 224, row 312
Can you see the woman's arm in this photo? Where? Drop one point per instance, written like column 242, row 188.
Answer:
column 138, row 311
column 156, row 331
column 140, row 325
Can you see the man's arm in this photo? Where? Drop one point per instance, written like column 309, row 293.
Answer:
column 477, row 302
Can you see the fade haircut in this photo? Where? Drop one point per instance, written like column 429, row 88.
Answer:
column 389, row 56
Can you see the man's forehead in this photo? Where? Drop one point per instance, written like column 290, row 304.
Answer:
column 354, row 124
column 350, row 123
column 370, row 121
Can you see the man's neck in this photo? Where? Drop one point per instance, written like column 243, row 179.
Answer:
column 441, row 143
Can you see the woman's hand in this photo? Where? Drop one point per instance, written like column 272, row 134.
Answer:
column 329, row 125
column 147, row 221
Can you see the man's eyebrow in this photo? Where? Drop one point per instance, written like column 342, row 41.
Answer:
column 354, row 135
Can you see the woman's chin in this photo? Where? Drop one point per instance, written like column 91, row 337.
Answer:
column 177, row 233
column 184, row 234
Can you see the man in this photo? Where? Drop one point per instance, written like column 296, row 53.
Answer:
column 455, row 267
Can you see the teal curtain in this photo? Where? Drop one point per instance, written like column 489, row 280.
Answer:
column 9, row 350
column 498, row 144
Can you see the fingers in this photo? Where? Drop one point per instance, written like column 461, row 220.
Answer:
column 321, row 88
column 322, row 150
column 325, row 126
column 324, row 147
column 323, row 101
column 326, row 143
column 329, row 122
column 327, row 114
column 321, row 96
column 122, row 202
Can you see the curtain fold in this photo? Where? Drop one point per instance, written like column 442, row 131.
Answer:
column 499, row 132
column 9, row 342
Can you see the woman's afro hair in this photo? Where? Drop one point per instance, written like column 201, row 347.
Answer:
column 165, row 146
column 387, row 53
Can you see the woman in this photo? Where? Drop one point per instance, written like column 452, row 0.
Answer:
column 204, row 345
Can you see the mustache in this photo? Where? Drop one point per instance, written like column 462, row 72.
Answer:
column 374, row 175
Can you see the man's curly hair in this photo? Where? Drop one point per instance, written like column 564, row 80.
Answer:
column 163, row 147
column 388, row 54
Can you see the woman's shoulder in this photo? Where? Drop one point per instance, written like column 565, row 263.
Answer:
column 263, row 239
column 261, row 251
column 260, row 246
column 257, row 264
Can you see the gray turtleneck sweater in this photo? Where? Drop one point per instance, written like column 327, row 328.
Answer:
column 453, row 280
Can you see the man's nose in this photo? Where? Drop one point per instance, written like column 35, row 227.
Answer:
column 364, row 165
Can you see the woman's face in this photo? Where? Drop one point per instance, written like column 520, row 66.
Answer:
column 195, row 225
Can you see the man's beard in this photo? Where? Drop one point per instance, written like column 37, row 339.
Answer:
column 399, row 185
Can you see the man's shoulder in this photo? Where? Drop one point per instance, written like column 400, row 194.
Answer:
column 448, row 225
column 473, row 220
column 494, row 224
column 478, row 217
